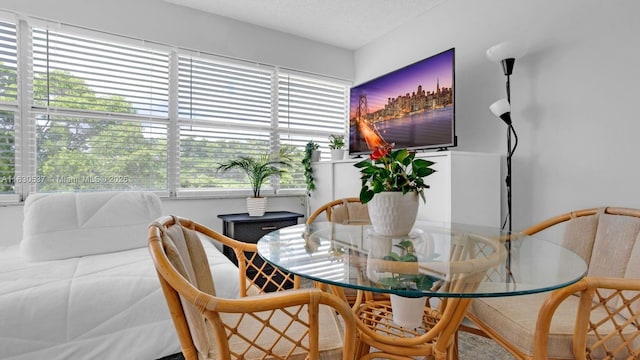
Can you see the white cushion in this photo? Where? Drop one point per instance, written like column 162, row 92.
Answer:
column 64, row 225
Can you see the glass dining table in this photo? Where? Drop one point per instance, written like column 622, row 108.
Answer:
column 449, row 261
column 353, row 256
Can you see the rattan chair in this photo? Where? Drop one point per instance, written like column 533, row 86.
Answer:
column 347, row 211
column 290, row 324
column 343, row 211
column 595, row 318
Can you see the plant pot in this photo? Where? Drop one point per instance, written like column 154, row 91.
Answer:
column 337, row 154
column 408, row 312
column 315, row 156
column 256, row 206
column 392, row 213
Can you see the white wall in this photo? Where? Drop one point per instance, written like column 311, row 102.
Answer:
column 574, row 94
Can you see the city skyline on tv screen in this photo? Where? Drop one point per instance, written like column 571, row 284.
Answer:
column 428, row 72
column 411, row 107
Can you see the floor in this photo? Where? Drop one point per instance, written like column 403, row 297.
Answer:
column 471, row 347
column 480, row 348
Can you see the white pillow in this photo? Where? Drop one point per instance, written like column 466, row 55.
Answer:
column 64, row 225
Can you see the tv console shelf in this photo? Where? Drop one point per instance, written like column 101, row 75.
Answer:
column 465, row 188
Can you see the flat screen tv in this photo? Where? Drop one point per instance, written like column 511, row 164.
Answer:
column 412, row 107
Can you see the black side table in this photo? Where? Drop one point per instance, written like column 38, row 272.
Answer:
column 250, row 229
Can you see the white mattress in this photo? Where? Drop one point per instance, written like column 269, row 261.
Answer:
column 105, row 306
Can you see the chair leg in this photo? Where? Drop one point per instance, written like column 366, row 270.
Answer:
column 362, row 349
column 453, row 351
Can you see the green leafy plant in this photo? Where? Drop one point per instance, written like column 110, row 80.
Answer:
column 397, row 170
column 407, row 281
column 259, row 169
column 309, row 148
column 336, row 141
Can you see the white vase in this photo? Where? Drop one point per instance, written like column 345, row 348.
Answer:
column 392, row 213
column 315, row 155
column 407, row 312
column 256, row 206
column 337, row 154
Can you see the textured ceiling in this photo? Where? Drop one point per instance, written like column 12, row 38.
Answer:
column 348, row 24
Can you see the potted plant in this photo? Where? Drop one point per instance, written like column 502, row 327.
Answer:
column 314, row 150
column 258, row 170
column 336, row 145
column 407, row 281
column 311, row 154
column 391, row 184
column 407, row 311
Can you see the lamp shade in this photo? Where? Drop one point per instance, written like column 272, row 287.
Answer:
column 502, row 109
column 506, row 53
column 505, row 50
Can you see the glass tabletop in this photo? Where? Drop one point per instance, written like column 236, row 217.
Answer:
column 436, row 259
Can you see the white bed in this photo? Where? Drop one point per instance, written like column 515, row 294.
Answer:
column 98, row 306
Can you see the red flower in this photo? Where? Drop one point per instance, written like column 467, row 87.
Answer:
column 380, row 152
column 397, row 170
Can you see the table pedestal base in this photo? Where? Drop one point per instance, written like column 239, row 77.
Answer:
column 435, row 339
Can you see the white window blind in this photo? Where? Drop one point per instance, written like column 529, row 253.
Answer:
column 8, row 64
column 85, row 110
column 7, row 152
column 8, row 101
column 74, row 72
column 101, row 113
column 78, row 152
column 309, row 109
column 224, row 112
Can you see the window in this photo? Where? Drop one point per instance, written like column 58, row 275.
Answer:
column 8, row 64
column 8, row 106
column 101, row 114
column 96, row 112
column 309, row 109
column 224, row 110
column 7, row 151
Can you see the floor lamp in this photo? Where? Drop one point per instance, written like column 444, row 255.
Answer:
column 506, row 54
